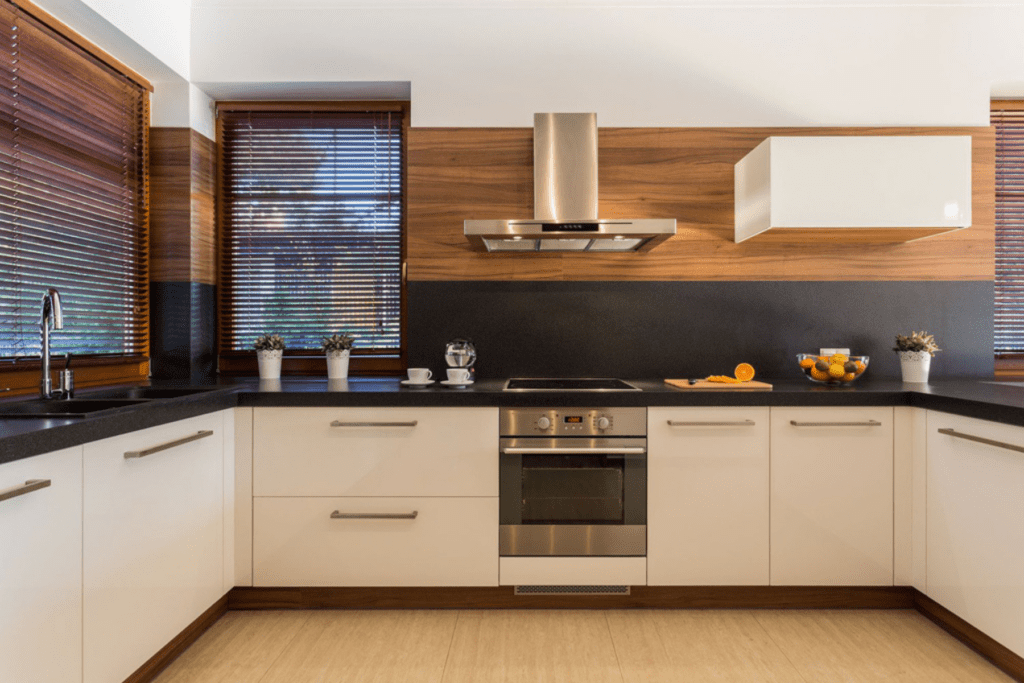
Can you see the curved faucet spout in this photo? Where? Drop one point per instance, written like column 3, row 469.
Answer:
column 51, row 313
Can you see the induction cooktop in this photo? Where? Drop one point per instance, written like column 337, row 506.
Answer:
column 568, row 384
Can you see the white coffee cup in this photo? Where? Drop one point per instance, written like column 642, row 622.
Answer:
column 419, row 374
column 459, row 375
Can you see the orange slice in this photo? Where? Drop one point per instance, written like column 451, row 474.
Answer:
column 744, row 372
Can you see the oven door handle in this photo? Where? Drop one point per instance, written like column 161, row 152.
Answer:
column 626, row 450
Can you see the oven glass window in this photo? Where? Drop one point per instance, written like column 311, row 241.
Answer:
column 573, row 489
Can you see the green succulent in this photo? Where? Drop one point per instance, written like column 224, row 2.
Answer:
column 269, row 342
column 917, row 341
column 337, row 342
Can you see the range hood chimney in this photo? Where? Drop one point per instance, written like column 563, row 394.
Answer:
column 565, row 199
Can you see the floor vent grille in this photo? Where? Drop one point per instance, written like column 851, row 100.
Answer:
column 572, row 590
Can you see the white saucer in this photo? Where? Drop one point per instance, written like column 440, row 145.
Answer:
column 411, row 383
column 456, row 385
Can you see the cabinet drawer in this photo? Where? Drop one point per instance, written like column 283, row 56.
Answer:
column 375, row 452
column 707, row 499
column 831, row 496
column 450, row 542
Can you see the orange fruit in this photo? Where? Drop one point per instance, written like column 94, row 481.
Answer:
column 723, row 379
column 807, row 363
column 860, row 366
column 836, row 371
column 848, row 377
column 838, row 358
column 819, row 375
column 744, row 372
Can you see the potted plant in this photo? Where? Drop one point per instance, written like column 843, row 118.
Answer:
column 916, row 351
column 269, row 350
column 337, row 348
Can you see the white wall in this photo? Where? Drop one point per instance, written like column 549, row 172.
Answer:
column 496, row 64
column 162, row 27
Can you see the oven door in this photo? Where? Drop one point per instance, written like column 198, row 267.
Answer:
column 573, row 497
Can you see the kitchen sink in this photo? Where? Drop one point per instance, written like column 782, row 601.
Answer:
column 76, row 407
column 149, row 392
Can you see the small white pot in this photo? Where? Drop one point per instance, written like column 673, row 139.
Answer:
column 337, row 364
column 915, row 365
column 270, row 364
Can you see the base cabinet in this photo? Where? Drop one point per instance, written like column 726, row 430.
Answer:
column 153, row 541
column 832, row 497
column 707, row 499
column 375, row 542
column 41, row 569
column 975, row 524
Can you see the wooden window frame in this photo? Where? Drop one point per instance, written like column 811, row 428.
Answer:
column 307, row 362
column 20, row 376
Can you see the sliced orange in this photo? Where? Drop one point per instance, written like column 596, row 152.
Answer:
column 744, row 372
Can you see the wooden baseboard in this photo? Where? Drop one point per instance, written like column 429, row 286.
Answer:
column 640, row 597
column 168, row 653
column 1007, row 660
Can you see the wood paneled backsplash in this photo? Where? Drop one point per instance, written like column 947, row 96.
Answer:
column 684, row 173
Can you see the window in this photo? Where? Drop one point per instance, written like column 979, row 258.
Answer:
column 72, row 198
column 1008, row 119
column 312, row 224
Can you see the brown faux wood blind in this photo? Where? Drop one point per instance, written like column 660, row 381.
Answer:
column 1008, row 119
column 73, row 135
column 312, row 216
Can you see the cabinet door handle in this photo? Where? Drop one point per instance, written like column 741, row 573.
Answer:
column 738, row 423
column 979, row 439
column 170, row 444
column 866, row 423
column 625, row 450
column 339, row 423
column 337, row 514
column 20, row 490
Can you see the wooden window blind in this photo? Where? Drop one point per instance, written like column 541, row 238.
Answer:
column 73, row 182
column 1008, row 119
column 312, row 218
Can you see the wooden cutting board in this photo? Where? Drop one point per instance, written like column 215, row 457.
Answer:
column 704, row 385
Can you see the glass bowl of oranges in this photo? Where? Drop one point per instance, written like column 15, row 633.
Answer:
column 835, row 369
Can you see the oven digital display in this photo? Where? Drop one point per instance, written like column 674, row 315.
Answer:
column 573, row 419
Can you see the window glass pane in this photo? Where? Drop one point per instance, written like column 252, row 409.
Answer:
column 1009, row 285
column 312, row 214
column 72, row 195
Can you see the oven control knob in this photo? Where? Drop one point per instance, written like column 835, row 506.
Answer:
column 603, row 423
column 544, row 423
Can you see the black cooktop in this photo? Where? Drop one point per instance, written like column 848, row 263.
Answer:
column 569, row 384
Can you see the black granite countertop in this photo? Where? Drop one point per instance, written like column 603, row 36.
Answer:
column 21, row 438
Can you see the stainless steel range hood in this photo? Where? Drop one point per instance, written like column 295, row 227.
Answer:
column 565, row 199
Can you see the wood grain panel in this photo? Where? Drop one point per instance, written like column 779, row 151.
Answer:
column 182, row 166
column 686, row 173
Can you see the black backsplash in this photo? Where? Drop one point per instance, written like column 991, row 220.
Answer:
column 182, row 331
column 693, row 329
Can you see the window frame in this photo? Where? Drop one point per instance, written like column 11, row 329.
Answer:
column 306, row 362
column 20, row 375
column 1007, row 365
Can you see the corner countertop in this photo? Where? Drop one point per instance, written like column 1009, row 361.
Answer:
column 21, row 438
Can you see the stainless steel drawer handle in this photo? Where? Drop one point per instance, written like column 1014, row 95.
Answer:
column 979, row 439
column 170, row 444
column 867, row 423
column 339, row 423
column 739, row 423
column 20, row 490
column 510, row 450
column 337, row 514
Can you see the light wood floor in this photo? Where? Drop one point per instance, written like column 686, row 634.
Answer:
column 624, row 646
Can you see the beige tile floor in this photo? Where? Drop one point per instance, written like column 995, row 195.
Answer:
column 537, row 646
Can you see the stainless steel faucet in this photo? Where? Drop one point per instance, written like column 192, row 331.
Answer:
column 51, row 313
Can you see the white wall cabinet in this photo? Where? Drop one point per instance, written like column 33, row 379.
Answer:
column 832, row 496
column 153, row 548
column 707, row 498
column 41, row 568
column 975, row 524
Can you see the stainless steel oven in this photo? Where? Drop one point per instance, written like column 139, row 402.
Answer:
column 573, row 482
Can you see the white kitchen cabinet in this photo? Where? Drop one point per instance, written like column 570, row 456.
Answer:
column 832, row 496
column 707, row 498
column 41, row 568
column 375, row 452
column 411, row 542
column 975, row 524
column 153, row 548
